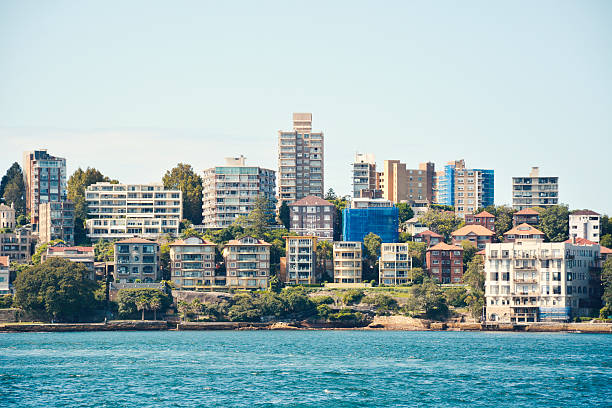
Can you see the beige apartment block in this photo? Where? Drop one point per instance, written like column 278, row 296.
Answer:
column 56, row 221
column 301, row 260
column 7, row 217
column 230, row 191
column 531, row 280
column 136, row 258
column 247, row 263
column 300, row 160
column 365, row 175
column 534, row 191
column 127, row 210
column 400, row 184
column 193, row 264
column 18, row 244
column 347, row 262
column 394, row 264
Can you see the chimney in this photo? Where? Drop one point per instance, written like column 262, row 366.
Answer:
column 535, row 172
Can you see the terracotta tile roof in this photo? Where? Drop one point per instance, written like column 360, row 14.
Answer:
column 430, row 233
column 473, row 229
column 484, row 214
column 311, row 200
column 70, row 248
column 481, row 252
column 584, row 212
column 527, row 211
column 524, row 229
column 581, row 241
column 5, row 261
column 182, row 242
column 605, row 250
column 445, row 247
column 237, row 242
column 135, row 241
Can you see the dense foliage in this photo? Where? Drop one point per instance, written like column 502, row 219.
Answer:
column 606, row 283
column 132, row 301
column 441, row 222
column 56, row 289
column 184, row 178
column 12, row 189
column 554, row 223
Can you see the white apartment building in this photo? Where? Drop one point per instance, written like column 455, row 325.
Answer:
column 347, row 262
column 364, row 173
column 126, row 210
column 534, row 191
column 371, row 203
column 532, row 280
column 7, row 216
column 45, row 180
column 193, row 264
column 584, row 224
column 300, row 160
column 394, row 264
column 230, row 191
column 301, row 260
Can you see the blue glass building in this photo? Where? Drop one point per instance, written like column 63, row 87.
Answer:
column 359, row 222
column 447, row 182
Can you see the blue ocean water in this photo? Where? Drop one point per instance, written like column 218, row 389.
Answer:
column 305, row 369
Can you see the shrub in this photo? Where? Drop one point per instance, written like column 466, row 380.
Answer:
column 323, row 311
column 456, row 297
column 6, row 301
column 352, row 296
column 323, row 300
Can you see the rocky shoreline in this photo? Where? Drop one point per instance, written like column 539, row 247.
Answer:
column 398, row 323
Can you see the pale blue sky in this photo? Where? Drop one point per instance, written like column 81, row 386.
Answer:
column 133, row 87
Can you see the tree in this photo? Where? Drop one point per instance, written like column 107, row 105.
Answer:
column 284, row 216
column 260, row 218
column 12, row 189
column 331, row 195
column 77, row 184
column 606, row 241
column 474, row 277
column 340, row 204
column 554, row 223
column 57, row 289
column 428, row 298
column 184, row 178
column 133, row 300
column 469, row 250
column 503, row 219
column 417, row 251
column 371, row 243
column 142, row 303
column 12, row 173
column 41, row 249
column 190, row 232
column 164, row 261
column 606, row 283
column 325, row 251
column 155, row 304
column 104, row 251
column 405, row 212
column 441, row 222
column 274, row 284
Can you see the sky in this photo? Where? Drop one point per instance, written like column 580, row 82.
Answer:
column 134, row 87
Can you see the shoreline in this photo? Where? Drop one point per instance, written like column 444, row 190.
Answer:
column 385, row 325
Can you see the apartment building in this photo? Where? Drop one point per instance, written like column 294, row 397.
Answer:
column 313, row 216
column 44, row 177
column 247, row 263
column 523, row 232
column 348, row 262
column 429, row 237
column 394, row 264
column 127, row 210
column 400, row 184
column 534, row 191
column 465, row 189
column 18, row 244
column 5, row 275
column 526, row 216
column 484, row 218
column 532, row 280
column 192, row 263
column 7, row 217
column 359, row 222
column 413, row 226
column 83, row 255
column 300, row 160
column 56, row 221
column 584, row 224
column 445, row 263
column 136, row 258
column 478, row 235
column 364, row 176
column 301, row 260
column 230, row 191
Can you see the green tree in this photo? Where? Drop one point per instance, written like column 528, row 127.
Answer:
column 274, row 284
column 245, row 309
column 331, row 195
column 164, row 261
column 417, row 276
column 352, row 296
column 474, row 277
column 469, row 250
column 12, row 173
column 104, row 251
column 371, row 243
column 260, row 218
column 456, row 297
column 142, row 304
column 13, row 181
column 155, row 304
column 325, row 251
column 417, row 251
column 554, row 223
column 428, row 299
column 605, row 226
column 131, row 301
column 441, row 222
column 503, row 219
column 405, row 237
column 606, row 241
column 606, row 283
column 284, row 216
column 56, row 289
column 42, row 249
column 340, row 204
column 77, row 184
column 190, row 232
column 184, row 178
column 405, row 212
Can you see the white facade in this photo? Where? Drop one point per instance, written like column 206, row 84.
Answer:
column 364, row 173
column 126, row 210
column 301, row 260
column 534, row 191
column 7, row 216
column 532, row 280
column 247, row 263
column 371, row 203
column 347, row 262
column 584, row 224
column 300, row 160
column 4, row 275
column 193, row 264
column 230, row 191
column 394, row 264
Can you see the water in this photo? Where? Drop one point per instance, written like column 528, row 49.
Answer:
column 305, row 369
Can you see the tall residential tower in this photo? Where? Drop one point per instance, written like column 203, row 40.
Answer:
column 300, row 160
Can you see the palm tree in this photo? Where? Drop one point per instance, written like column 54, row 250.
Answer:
column 142, row 304
column 155, row 305
column 183, row 308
